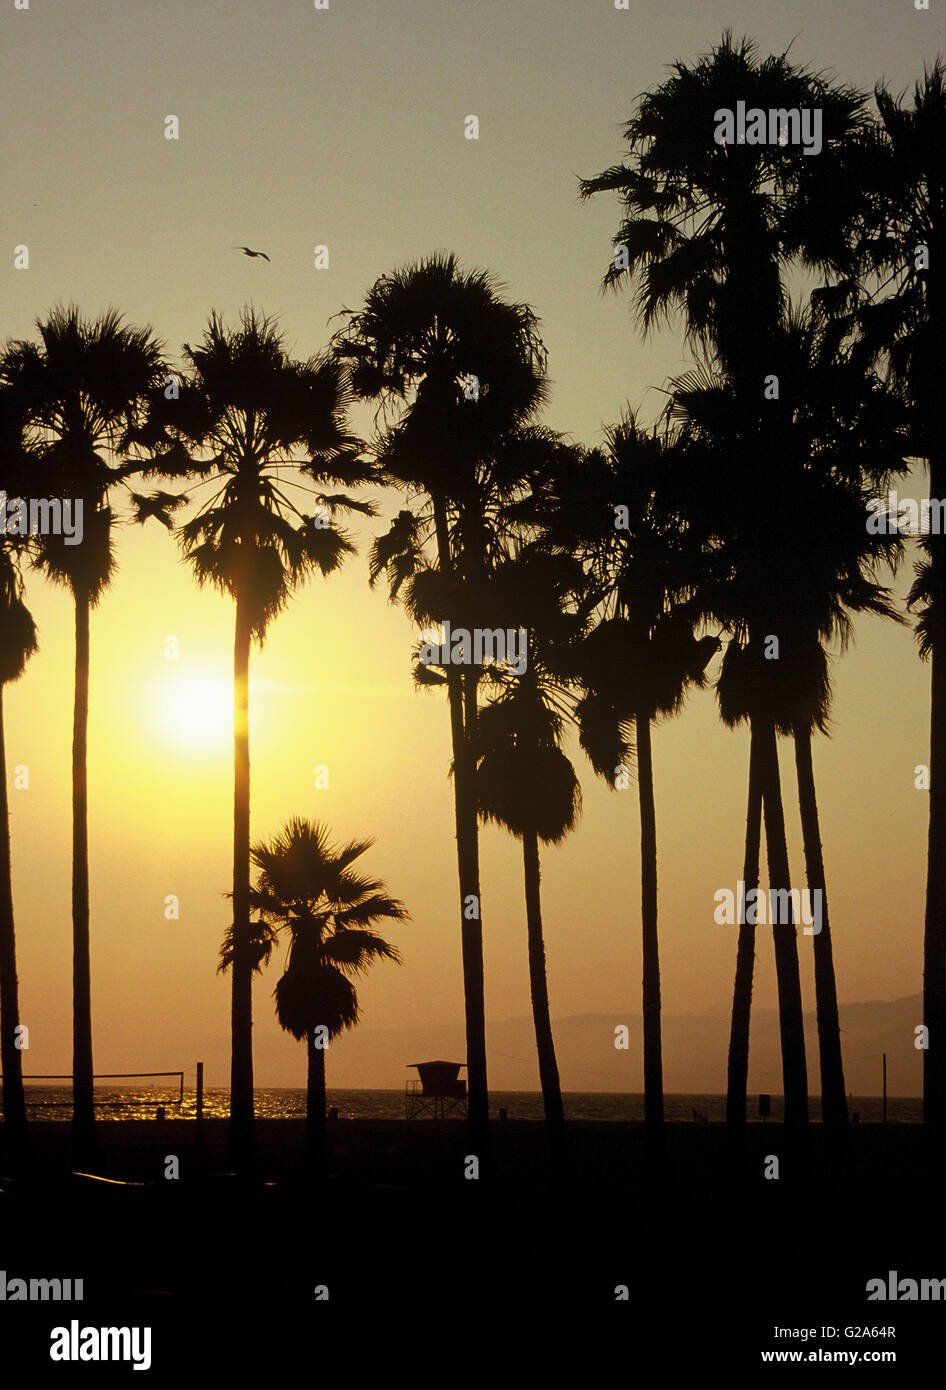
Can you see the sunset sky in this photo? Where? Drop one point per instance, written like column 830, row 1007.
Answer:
column 345, row 127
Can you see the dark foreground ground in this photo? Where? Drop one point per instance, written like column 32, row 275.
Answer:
column 678, row 1262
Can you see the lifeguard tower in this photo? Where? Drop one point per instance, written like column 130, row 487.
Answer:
column 439, row 1092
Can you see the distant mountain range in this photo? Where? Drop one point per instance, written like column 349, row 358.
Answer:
column 695, row 1048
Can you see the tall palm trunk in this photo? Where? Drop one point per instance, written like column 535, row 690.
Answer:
column 833, row 1098
column 241, row 1137
column 653, row 1059
column 15, row 1127
column 791, row 1017
column 83, row 1112
column 468, row 867
column 934, row 934
column 738, row 1077
column 315, row 1100
column 538, row 982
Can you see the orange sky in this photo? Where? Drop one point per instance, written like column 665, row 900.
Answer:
column 301, row 128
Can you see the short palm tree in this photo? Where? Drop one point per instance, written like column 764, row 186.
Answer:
column 260, row 428
column 81, row 392
column 313, row 893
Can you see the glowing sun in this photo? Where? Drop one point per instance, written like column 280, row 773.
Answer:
column 198, row 710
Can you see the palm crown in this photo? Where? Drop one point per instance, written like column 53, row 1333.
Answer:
column 80, row 392
column 272, row 426
column 710, row 228
column 312, row 891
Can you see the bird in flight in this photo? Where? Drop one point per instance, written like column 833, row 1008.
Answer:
column 247, row 252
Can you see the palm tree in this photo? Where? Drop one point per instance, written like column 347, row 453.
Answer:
column 311, row 891
column 622, row 513
column 81, row 392
column 839, row 437
column 711, row 229
column 832, row 403
column 269, row 425
column 17, row 645
column 903, row 320
column 525, row 781
column 746, row 591
column 457, row 368
column 747, row 692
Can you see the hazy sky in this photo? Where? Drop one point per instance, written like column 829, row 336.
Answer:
column 345, row 127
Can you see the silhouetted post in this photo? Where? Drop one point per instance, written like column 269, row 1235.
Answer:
column 200, row 1100
column 884, row 1114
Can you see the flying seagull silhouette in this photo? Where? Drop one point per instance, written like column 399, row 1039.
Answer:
column 247, row 252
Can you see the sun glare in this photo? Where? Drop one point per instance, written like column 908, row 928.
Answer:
column 198, row 711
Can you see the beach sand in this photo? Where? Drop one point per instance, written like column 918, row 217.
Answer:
column 712, row 1254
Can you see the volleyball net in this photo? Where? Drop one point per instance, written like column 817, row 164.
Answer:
column 130, row 1089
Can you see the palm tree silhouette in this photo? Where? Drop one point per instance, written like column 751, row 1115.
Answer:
column 902, row 245
column 17, row 645
column 747, row 692
column 82, row 391
column 711, row 230
column 270, row 425
column 827, row 400
column 639, row 660
column 311, row 891
column 525, row 782
column 458, row 368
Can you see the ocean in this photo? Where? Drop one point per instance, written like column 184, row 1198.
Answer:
column 130, row 1103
